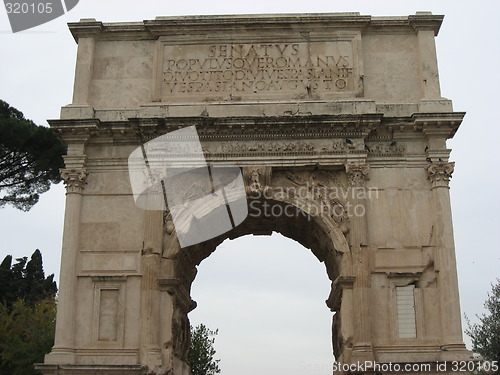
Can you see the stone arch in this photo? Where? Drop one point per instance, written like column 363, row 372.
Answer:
column 124, row 279
column 299, row 219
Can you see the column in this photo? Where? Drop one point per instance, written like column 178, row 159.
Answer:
column 150, row 293
column 63, row 351
column 439, row 174
column 357, row 174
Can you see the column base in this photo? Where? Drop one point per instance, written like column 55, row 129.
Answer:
column 61, row 357
column 49, row 369
column 362, row 353
column 151, row 357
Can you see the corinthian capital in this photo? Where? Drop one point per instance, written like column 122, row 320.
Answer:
column 439, row 173
column 74, row 179
column 357, row 174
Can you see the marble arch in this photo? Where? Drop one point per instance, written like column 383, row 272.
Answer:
column 303, row 104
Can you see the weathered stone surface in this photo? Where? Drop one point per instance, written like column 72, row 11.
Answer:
column 339, row 128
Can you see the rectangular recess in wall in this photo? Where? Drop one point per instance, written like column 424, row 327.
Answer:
column 108, row 315
column 405, row 305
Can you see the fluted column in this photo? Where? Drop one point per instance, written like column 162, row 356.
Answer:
column 63, row 351
column 439, row 174
column 150, row 294
column 362, row 347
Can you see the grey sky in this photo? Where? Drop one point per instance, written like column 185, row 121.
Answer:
column 266, row 294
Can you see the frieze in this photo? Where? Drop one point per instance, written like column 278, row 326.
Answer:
column 285, row 147
column 385, row 149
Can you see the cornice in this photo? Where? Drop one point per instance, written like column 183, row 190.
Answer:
column 74, row 131
column 426, row 21
column 152, row 29
column 259, row 127
column 86, row 28
column 438, row 124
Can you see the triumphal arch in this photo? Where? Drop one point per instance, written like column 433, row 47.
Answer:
column 327, row 128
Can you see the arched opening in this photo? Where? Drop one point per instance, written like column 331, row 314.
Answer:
column 266, row 296
column 298, row 220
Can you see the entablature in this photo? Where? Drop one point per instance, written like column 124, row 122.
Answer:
column 177, row 25
column 281, row 140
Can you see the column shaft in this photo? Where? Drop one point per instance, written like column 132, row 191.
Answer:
column 150, row 293
column 446, row 264
column 64, row 346
column 362, row 348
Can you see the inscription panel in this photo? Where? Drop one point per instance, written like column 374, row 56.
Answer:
column 259, row 71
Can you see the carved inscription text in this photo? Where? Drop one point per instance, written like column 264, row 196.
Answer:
column 235, row 71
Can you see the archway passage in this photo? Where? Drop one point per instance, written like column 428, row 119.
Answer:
column 266, row 296
column 299, row 217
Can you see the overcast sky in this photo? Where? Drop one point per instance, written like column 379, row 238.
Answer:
column 266, row 294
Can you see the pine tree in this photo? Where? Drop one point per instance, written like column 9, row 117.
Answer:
column 486, row 334
column 202, row 351
column 25, row 280
column 27, row 314
column 30, row 158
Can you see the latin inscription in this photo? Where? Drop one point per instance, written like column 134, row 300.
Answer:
column 234, row 71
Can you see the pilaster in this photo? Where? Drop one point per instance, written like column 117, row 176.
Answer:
column 150, row 294
column 63, row 351
column 357, row 174
column 439, row 174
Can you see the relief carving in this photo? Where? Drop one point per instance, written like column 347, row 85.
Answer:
column 357, row 174
column 170, row 243
column 181, row 334
column 324, row 189
column 383, row 149
column 257, row 179
column 168, row 223
column 286, row 146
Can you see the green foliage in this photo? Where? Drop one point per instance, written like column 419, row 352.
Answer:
column 27, row 314
column 25, row 280
column 201, row 353
column 30, row 158
column 26, row 335
column 486, row 334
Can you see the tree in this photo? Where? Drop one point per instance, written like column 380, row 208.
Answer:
column 27, row 314
column 25, row 280
column 26, row 335
column 201, row 353
column 486, row 334
column 30, row 158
